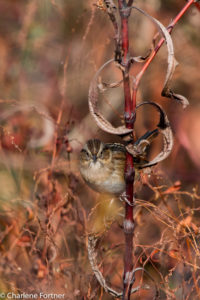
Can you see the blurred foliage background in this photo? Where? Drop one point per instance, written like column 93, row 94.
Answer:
column 49, row 52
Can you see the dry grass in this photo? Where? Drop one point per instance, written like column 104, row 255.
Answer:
column 49, row 51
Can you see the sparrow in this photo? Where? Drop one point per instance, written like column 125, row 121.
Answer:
column 102, row 166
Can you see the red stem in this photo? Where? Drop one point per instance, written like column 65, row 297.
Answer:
column 129, row 116
column 160, row 43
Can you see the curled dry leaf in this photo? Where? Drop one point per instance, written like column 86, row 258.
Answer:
column 92, row 255
column 141, row 58
column 167, row 92
column 163, row 127
column 94, row 110
column 172, row 63
column 103, row 86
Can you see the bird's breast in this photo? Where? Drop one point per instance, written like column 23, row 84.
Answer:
column 105, row 179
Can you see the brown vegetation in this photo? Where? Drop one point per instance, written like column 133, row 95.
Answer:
column 49, row 52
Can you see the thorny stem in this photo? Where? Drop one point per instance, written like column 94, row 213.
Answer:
column 129, row 116
column 158, row 46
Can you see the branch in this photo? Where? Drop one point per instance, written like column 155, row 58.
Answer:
column 158, row 46
column 129, row 117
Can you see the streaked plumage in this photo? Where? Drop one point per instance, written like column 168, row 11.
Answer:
column 102, row 166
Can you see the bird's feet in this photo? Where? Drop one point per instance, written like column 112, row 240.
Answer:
column 123, row 197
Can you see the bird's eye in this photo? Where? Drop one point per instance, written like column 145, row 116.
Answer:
column 101, row 154
column 87, row 155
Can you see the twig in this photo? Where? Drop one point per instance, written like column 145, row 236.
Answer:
column 158, row 46
column 129, row 117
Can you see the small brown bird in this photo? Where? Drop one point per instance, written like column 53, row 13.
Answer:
column 102, row 166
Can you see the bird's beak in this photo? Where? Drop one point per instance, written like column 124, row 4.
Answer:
column 94, row 157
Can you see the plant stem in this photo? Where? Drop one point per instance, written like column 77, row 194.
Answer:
column 129, row 116
column 158, row 46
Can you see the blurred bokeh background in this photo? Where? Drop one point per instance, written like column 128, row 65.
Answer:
column 49, row 52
